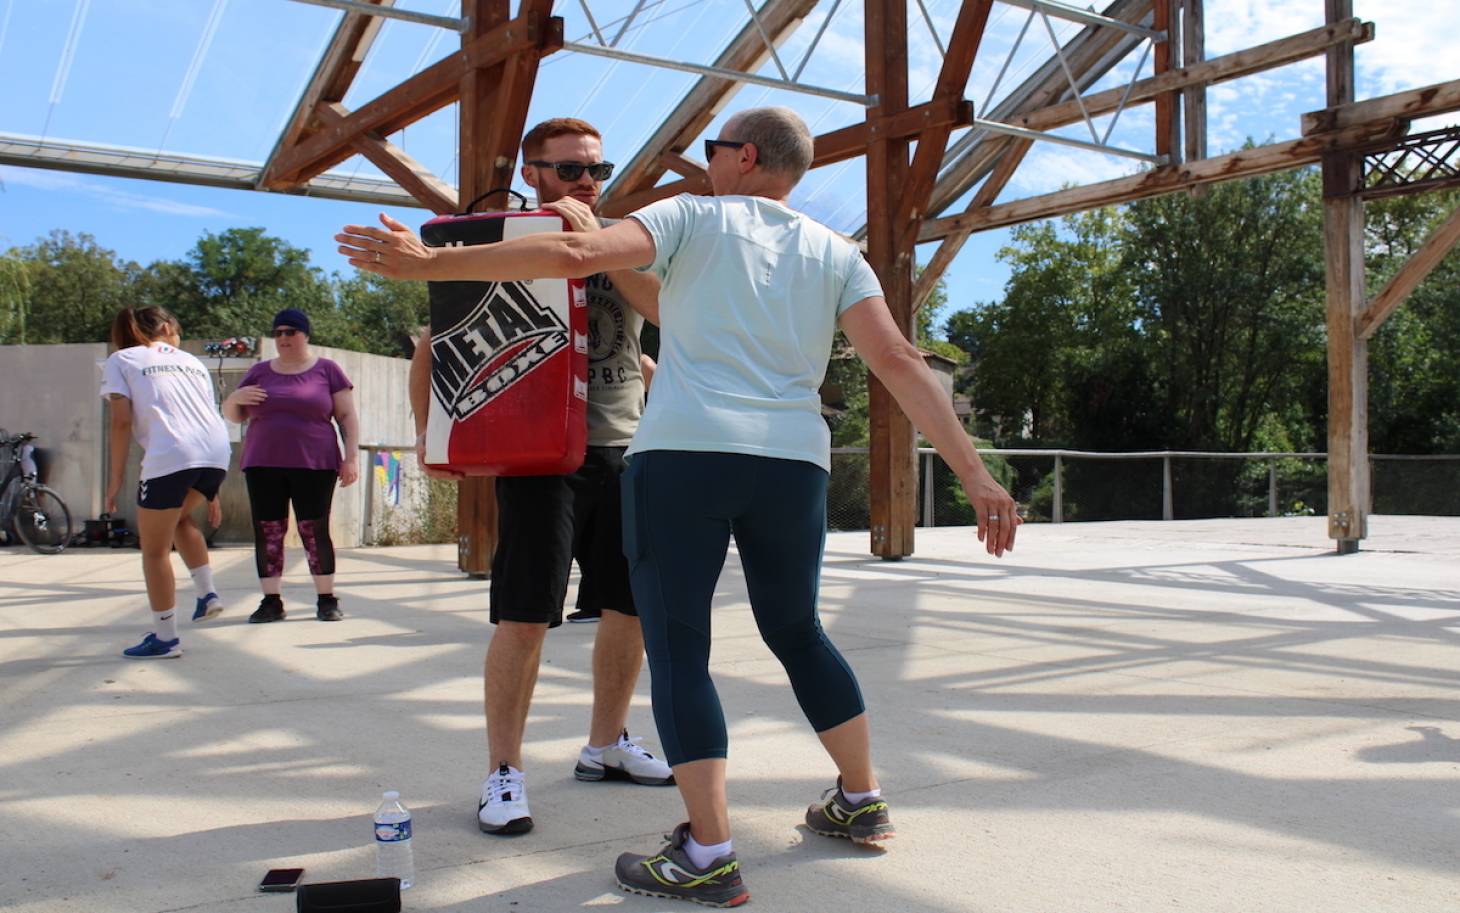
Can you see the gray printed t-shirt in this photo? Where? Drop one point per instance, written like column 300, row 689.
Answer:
column 615, row 378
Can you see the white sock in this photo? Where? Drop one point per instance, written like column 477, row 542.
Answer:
column 858, row 798
column 203, row 579
column 166, row 624
column 702, row 856
column 594, row 753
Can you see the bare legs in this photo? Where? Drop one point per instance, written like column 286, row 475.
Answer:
column 618, row 655
column 159, row 531
column 510, row 676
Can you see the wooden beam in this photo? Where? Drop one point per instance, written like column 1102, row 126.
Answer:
column 1440, row 98
column 1090, row 54
column 968, row 29
column 1194, row 98
column 1206, row 73
column 413, row 177
column 745, row 52
column 1242, row 164
column 428, row 91
column 1168, row 104
column 851, row 142
column 1014, row 152
column 683, row 166
column 332, row 77
column 617, row 209
column 1420, row 264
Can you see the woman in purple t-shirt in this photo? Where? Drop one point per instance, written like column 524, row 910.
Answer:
column 292, row 453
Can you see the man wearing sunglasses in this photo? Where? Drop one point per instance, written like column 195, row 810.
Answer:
column 547, row 522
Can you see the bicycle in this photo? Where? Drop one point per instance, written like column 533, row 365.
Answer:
column 36, row 513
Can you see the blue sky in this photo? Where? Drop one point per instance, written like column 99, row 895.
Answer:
column 219, row 77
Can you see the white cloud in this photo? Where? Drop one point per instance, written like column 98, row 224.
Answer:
column 63, row 182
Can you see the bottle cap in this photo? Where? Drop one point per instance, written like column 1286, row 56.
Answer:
column 391, row 794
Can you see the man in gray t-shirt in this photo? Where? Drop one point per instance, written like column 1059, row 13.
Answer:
column 545, row 523
column 615, row 380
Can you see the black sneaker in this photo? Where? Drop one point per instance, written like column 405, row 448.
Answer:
column 271, row 608
column 327, row 608
column 583, row 616
column 671, row 874
column 835, row 816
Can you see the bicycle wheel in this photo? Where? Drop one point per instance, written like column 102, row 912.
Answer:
column 42, row 520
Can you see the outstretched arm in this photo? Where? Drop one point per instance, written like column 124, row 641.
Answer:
column 397, row 253
column 900, row 366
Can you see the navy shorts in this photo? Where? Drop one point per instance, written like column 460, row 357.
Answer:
column 168, row 492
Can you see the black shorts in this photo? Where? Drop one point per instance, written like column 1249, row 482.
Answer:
column 168, row 492
column 544, row 523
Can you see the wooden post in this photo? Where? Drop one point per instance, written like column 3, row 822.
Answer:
column 1348, row 354
column 1194, row 99
column 1166, row 17
column 892, row 477
column 478, row 172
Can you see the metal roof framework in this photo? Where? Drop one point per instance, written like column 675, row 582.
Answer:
column 916, row 170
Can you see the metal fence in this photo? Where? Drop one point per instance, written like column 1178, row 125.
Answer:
column 1061, row 485
column 403, row 506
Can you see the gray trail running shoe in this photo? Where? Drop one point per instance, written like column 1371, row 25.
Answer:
column 671, row 874
column 835, row 816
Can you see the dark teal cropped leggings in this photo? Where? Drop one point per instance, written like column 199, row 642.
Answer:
column 679, row 511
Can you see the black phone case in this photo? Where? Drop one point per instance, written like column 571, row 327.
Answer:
column 366, row 895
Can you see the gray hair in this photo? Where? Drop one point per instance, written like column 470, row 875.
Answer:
column 781, row 138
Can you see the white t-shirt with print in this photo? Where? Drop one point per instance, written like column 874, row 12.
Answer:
column 174, row 417
column 751, row 291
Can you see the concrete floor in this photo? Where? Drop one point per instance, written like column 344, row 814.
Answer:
column 1208, row 716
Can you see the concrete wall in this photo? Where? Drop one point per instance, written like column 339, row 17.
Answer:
column 51, row 390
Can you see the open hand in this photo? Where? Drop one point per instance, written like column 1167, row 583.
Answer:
column 998, row 514
column 349, row 473
column 252, row 395
column 394, row 252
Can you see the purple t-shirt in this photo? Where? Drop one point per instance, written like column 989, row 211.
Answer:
column 293, row 428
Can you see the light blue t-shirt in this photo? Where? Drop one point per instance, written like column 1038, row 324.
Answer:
column 751, row 291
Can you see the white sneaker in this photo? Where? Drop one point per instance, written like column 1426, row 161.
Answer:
column 625, row 760
column 503, row 806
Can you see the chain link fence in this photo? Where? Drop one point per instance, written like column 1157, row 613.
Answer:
column 1060, row 485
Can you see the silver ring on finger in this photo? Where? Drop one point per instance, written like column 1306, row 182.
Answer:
column 993, row 518
column 377, row 256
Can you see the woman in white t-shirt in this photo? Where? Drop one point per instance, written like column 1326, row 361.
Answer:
column 163, row 397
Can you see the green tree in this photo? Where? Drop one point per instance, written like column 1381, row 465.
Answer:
column 235, row 281
column 75, row 288
column 1228, row 288
column 14, row 298
column 381, row 315
column 1414, row 385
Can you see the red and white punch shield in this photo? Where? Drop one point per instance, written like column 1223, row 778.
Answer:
column 509, row 360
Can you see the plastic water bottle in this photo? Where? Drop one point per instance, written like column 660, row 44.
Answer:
column 393, row 855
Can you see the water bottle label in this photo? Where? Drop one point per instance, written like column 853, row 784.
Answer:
column 393, row 832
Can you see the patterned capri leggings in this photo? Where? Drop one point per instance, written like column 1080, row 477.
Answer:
column 270, row 489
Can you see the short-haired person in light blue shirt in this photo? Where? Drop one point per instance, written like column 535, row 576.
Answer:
column 732, row 443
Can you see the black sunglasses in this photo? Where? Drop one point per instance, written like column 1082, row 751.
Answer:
column 572, row 171
column 710, row 145
column 284, row 331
